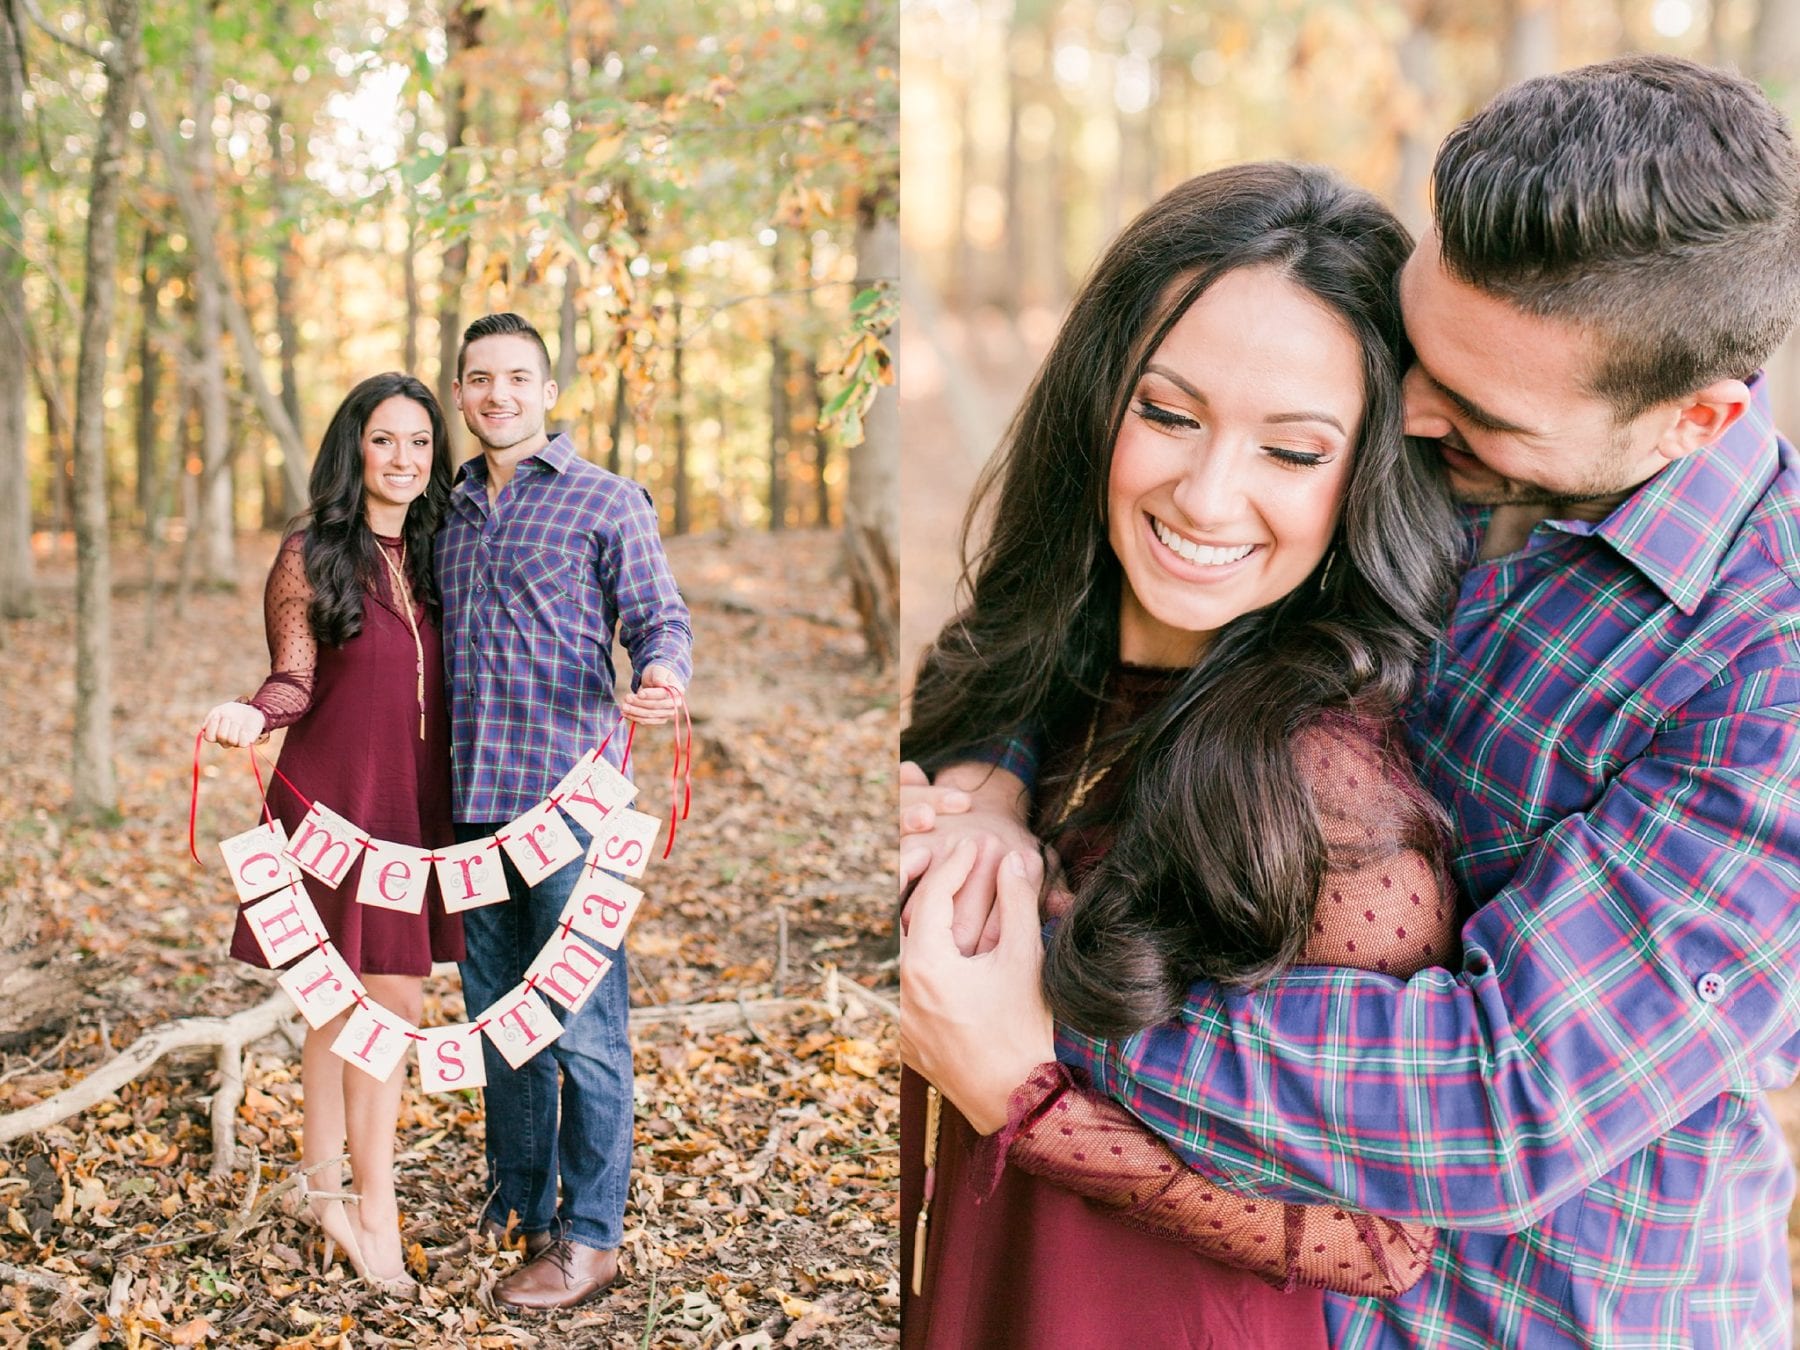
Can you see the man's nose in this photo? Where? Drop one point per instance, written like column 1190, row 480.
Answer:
column 1425, row 411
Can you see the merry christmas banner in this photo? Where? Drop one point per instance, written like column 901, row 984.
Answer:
column 266, row 867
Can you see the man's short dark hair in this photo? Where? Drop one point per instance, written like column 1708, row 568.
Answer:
column 498, row 325
column 1650, row 200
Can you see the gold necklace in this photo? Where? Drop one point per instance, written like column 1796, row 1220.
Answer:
column 1088, row 774
column 934, row 1108
column 403, row 596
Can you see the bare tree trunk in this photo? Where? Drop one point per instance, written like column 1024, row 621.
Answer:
column 461, row 34
column 683, row 519
column 1418, row 142
column 780, row 430
column 1530, row 39
column 149, row 369
column 285, row 504
column 15, row 508
column 570, row 316
column 202, row 228
column 615, row 452
column 821, row 446
column 409, row 271
column 872, row 502
column 95, row 788
column 215, row 542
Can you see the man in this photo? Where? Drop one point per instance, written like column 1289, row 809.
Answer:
column 541, row 557
column 1613, row 718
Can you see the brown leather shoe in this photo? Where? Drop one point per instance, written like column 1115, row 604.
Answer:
column 535, row 1243
column 563, row 1275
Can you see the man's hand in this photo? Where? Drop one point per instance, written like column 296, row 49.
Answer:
column 655, row 699
column 234, row 725
column 969, row 802
column 976, row 1026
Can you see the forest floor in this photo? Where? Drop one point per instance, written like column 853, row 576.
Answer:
column 762, row 1207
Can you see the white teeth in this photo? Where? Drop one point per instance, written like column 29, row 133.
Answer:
column 1199, row 553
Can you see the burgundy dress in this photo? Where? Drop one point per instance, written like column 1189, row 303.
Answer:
column 1076, row 1227
column 353, row 743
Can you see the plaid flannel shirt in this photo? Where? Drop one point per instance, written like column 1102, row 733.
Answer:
column 1613, row 717
column 533, row 591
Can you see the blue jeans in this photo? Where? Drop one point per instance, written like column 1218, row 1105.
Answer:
column 538, row 1130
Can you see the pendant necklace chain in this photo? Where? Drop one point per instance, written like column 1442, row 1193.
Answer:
column 403, row 597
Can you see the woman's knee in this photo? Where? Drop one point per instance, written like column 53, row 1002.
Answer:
column 402, row 995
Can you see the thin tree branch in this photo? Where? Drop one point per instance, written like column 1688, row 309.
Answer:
column 36, row 16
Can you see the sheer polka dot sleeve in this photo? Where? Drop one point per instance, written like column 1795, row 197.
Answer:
column 293, row 651
column 1385, row 905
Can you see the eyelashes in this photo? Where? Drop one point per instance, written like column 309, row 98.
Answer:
column 1162, row 417
column 1159, row 416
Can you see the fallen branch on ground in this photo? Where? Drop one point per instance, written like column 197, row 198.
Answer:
column 228, row 1035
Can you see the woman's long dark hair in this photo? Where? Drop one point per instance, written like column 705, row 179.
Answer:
column 340, row 548
column 1217, row 855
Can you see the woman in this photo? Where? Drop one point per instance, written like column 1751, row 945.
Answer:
column 356, row 674
column 1213, row 566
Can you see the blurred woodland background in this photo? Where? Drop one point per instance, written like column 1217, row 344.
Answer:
column 216, row 218
column 1033, row 130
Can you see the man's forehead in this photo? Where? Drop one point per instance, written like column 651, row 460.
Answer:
column 502, row 353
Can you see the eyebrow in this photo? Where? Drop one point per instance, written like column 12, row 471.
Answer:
column 1307, row 415
column 1471, row 409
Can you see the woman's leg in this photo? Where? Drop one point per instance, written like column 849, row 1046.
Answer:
column 322, row 1129
column 371, row 1110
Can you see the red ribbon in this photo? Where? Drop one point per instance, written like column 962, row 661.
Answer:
column 681, row 769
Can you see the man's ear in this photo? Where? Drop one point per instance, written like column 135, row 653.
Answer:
column 550, row 393
column 1702, row 417
column 456, row 393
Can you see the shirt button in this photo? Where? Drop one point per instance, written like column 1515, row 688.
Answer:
column 1710, row 987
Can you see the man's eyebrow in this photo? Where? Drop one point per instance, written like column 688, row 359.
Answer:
column 1324, row 418
column 1472, row 410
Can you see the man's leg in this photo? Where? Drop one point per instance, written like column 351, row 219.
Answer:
column 595, row 1152
column 594, row 1142
column 521, row 1103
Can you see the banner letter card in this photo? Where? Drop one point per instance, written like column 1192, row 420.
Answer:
column 322, row 986
column 624, row 845
column 539, row 843
column 254, row 859
column 568, row 970
column 602, row 907
column 374, row 1040
column 592, row 799
column 470, row 875
column 325, row 844
column 393, row 877
column 450, row 1058
column 285, row 925
column 520, row 1024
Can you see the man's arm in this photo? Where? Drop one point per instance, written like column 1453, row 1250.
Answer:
column 653, row 619
column 1643, row 960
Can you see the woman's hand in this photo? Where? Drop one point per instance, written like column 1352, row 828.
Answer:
column 976, row 1026
column 655, row 699
column 986, row 808
column 234, row 725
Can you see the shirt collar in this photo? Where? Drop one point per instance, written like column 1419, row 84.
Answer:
column 1676, row 528
column 555, row 457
